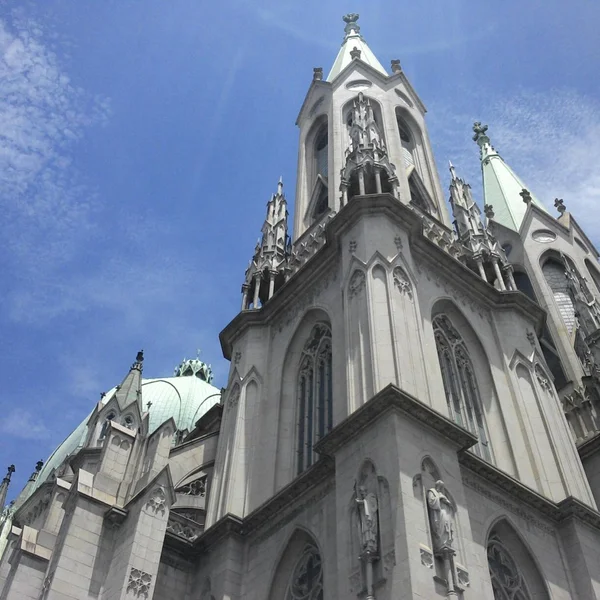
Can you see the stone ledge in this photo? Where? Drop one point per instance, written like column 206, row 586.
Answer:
column 589, row 447
column 569, row 508
column 393, row 398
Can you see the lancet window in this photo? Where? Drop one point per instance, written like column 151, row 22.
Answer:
column 320, row 169
column 507, row 581
column 407, row 142
column 315, row 407
column 306, row 582
column 460, row 383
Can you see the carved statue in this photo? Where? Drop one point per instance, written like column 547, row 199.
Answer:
column 367, row 518
column 441, row 517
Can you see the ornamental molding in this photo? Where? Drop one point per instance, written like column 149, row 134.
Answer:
column 402, row 282
column 392, row 398
column 183, row 528
column 357, row 283
column 426, row 557
column 139, row 583
column 157, row 502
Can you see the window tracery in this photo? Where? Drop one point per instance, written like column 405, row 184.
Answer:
column 507, row 581
column 554, row 273
column 460, row 382
column 306, row 582
column 315, row 408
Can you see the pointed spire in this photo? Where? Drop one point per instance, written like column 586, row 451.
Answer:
column 270, row 255
column 4, row 486
column 130, row 390
column 502, row 188
column 353, row 47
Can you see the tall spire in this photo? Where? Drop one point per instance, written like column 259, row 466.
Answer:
column 501, row 186
column 4, row 486
column 130, row 390
column 353, row 47
column 267, row 268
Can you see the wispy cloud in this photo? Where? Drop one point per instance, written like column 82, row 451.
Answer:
column 20, row 423
column 551, row 139
column 44, row 201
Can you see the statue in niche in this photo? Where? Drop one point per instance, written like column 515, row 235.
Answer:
column 367, row 519
column 441, row 517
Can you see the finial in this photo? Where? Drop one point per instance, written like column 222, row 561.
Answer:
column 38, row 466
column 10, row 471
column 351, row 24
column 479, row 129
column 396, row 68
column 560, row 205
column 317, row 73
column 148, row 404
column 355, row 53
column 280, row 186
column 140, row 356
column 525, row 194
column 488, row 209
column 102, row 395
column 452, row 171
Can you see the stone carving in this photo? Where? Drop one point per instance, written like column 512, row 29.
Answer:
column 352, row 246
column 139, row 583
column 463, row 577
column 542, row 378
column 237, row 357
column 441, row 517
column 398, row 243
column 157, row 502
column 367, row 519
column 389, row 560
column 531, row 337
column 426, row 558
column 234, row 398
column 184, row 530
column 357, row 283
column 194, row 488
column 402, row 282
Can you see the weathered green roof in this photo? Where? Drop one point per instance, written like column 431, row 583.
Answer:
column 501, row 186
column 185, row 398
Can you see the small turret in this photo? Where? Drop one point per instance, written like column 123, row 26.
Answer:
column 266, row 272
column 481, row 251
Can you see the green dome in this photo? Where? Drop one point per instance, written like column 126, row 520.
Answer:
column 185, row 397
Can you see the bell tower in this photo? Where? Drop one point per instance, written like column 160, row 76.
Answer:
column 362, row 131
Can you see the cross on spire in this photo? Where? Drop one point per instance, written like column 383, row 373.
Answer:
column 526, row 195
column 560, row 205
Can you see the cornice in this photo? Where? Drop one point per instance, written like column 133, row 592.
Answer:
column 322, row 470
column 388, row 399
column 228, row 526
column 569, row 508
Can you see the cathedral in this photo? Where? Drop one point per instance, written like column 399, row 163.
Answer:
column 412, row 409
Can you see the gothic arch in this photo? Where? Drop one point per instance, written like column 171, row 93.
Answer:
column 286, row 570
column 468, row 383
column 514, row 571
column 287, row 435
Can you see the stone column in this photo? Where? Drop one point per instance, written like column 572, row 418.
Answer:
column 245, row 287
column 257, row 279
column 272, row 275
column 498, row 274
column 479, row 262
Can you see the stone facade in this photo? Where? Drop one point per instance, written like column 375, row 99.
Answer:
column 411, row 408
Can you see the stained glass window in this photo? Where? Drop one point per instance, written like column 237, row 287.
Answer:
column 507, row 581
column 460, row 383
column 306, row 582
column 315, row 409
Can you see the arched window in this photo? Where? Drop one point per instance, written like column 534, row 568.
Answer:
column 306, row 582
column 547, row 345
column 407, row 142
column 554, row 273
column 109, row 417
column 128, row 421
column 507, row 581
column 315, row 408
column 460, row 383
column 321, row 148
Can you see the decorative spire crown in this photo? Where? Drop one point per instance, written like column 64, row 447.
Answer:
column 352, row 27
column 194, row 367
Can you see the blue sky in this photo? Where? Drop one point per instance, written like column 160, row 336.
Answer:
column 140, row 141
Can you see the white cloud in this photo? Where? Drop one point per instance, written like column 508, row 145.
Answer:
column 42, row 114
column 551, row 139
column 23, row 424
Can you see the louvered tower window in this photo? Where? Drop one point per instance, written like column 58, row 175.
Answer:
column 321, row 148
column 315, row 407
column 460, row 383
column 554, row 273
